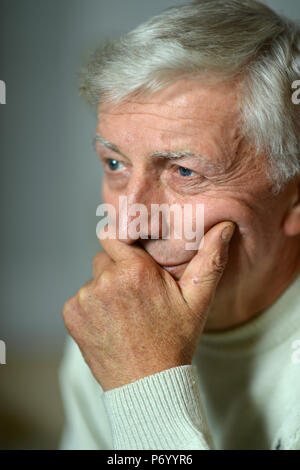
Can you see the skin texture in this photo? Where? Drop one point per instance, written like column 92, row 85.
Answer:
column 231, row 183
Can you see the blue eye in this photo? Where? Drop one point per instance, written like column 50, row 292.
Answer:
column 113, row 165
column 185, row 171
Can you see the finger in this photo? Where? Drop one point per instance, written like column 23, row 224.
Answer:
column 84, row 293
column 204, row 271
column 101, row 262
column 118, row 250
column 75, row 306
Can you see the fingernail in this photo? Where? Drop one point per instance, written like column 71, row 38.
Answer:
column 228, row 232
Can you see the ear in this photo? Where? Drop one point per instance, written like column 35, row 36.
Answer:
column 291, row 222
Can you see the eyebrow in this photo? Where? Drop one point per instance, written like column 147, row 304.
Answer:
column 105, row 143
column 167, row 155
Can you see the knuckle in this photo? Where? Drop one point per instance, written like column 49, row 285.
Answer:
column 67, row 313
column 215, row 269
column 67, row 307
column 82, row 295
column 103, row 283
column 218, row 262
column 138, row 270
column 65, row 310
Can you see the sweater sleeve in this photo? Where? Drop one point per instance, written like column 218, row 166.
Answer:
column 160, row 411
column 86, row 425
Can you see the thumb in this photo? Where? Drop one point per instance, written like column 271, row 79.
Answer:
column 200, row 279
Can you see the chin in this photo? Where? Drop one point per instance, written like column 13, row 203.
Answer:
column 176, row 271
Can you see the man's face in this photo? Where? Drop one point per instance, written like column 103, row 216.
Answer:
column 225, row 176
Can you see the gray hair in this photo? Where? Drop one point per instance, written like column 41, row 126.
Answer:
column 223, row 39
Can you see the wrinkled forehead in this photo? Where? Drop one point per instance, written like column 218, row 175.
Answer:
column 186, row 98
column 187, row 115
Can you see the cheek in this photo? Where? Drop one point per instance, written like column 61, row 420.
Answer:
column 257, row 237
column 217, row 210
column 252, row 234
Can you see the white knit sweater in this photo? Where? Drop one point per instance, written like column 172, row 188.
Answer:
column 241, row 392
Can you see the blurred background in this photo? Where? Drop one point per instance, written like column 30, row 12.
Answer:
column 50, row 188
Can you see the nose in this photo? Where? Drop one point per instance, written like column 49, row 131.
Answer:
column 140, row 189
column 135, row 208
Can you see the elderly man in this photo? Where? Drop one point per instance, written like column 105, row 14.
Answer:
column 193, row 349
